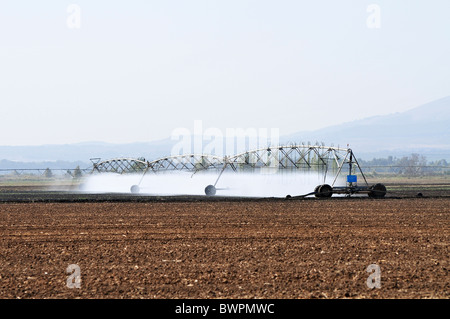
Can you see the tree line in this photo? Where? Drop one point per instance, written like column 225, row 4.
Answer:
column 412, row 165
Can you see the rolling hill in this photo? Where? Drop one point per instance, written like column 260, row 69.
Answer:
column 424, row 129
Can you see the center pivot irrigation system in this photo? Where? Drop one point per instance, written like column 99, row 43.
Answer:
column 320, row 158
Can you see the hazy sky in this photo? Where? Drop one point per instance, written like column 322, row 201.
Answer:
column 124, row 71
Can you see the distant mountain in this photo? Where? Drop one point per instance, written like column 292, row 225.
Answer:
column 424, row 130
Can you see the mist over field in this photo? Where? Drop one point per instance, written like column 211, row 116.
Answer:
column 229, row 184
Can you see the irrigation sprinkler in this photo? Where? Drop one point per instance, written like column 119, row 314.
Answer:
column 320, row 158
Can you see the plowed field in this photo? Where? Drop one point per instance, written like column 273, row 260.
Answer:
column 226, row 248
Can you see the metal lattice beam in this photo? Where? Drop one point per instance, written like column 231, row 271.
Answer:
column 291, row 157
column 120, row 166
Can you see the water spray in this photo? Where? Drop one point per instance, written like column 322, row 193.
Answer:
column 289, row 159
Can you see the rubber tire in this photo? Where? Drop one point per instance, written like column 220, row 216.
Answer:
column 316, row 191
column 377, row 191
column 325, row 190
column 210, row 190
column 135, row 189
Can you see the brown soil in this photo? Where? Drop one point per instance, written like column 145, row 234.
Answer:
column 227, row 249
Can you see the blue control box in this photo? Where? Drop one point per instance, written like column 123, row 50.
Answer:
column 351, row 178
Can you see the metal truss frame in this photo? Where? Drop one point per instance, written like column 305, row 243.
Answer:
column 291, row 157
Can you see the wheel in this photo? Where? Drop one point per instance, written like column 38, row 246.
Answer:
column 325, row 190
column 377, row 191
column 134, row 189
column 210, row 190
column 316, row 191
